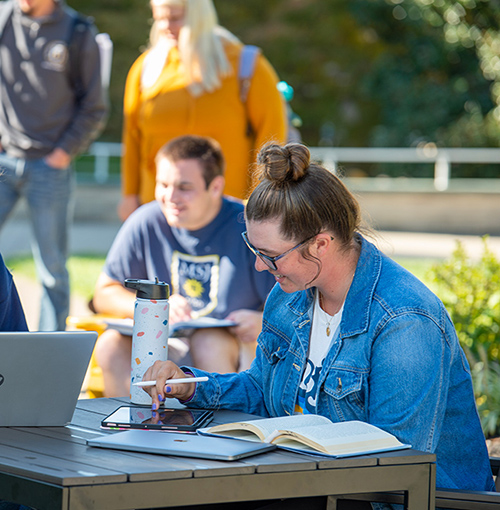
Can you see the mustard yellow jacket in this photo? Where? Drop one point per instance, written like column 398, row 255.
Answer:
column 159, row 113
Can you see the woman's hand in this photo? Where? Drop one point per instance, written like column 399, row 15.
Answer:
column 161, row 372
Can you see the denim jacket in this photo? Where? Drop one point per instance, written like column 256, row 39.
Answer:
column 395, row 363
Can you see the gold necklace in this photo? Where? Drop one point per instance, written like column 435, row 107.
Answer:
column 328, row 322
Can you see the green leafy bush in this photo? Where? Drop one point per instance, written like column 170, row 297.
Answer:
column 470, row 290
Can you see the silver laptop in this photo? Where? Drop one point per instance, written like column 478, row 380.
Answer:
column 181, row 445
column 41, row 374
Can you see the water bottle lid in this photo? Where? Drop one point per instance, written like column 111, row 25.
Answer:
column 149, row 289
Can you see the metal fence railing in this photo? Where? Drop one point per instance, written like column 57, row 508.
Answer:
column 442, row 158
column 102, row 152
column 331, row 157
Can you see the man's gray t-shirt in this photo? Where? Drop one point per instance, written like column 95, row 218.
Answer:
column 211, row 267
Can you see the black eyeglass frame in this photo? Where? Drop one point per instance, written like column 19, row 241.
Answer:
column 271, row 261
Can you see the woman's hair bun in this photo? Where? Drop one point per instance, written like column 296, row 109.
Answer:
column 279, row 164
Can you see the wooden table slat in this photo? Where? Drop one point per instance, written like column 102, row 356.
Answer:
column 118, row 461
column 55, row 470
column 68, row 433
column 281, row 460
column 347, row 462
column 405, row 457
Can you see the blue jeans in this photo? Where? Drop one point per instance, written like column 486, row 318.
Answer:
column 48, row 192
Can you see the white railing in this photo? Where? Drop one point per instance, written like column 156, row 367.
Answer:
column 102, row 151
column 331, row 157
column 441, row 157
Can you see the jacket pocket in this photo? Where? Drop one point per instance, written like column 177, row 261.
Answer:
column 273, row 344
column 274, row 354
column 345, row 391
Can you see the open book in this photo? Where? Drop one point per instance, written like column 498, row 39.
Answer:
column 311, row 433
column 179, row 329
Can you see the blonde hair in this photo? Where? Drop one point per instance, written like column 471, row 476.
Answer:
column 201, row 45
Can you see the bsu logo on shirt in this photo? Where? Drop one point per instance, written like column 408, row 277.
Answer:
column 197, row 279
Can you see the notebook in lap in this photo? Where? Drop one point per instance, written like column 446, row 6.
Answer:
column 41, row 375
column 181, row 445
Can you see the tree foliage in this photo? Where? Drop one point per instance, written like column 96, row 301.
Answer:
column 365, row 72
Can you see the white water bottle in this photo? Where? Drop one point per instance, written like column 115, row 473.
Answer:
column 150, row 333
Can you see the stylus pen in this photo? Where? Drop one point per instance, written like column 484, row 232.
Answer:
column 172, row 381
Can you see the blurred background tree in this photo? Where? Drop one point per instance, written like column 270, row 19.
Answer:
column 365, row 72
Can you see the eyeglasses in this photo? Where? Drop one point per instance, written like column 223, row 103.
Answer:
column 270, row 261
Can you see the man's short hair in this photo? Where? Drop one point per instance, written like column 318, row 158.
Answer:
column 206, row 150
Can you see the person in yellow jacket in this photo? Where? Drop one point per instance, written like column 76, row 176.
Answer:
column 187, row 83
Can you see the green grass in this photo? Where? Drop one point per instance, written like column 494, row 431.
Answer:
column 84, row 270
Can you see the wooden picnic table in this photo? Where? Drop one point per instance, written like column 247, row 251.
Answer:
column 52, row 468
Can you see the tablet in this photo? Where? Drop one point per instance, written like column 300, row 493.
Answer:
column 140, row 417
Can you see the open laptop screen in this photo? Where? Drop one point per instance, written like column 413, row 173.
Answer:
column 41, row 374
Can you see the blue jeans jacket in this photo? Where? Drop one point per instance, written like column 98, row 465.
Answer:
column 396, row 363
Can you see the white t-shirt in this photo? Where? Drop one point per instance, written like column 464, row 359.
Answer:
column 319, row 345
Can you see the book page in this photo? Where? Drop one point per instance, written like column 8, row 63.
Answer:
column 247, row 435
column 267, row 426
column 338, row 438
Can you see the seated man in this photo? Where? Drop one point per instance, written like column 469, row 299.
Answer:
column 190, row 237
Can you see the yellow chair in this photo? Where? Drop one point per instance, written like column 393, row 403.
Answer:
column 93, row 384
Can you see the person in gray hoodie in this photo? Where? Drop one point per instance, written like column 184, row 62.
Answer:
column 51, row 107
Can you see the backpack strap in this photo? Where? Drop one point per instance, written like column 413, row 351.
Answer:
column 248, row 58
column 5, row 13
column 79, row 27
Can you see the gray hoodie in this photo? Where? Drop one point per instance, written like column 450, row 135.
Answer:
column 38, row 106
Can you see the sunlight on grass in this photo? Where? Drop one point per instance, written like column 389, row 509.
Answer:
column 83, row 271
column 22, row 265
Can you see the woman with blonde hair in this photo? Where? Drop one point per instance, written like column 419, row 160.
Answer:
column 187, row 83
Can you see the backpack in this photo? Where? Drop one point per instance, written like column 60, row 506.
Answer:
column 81, row 24
column 246, row 69
column 74, row 41
column 5, row 13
